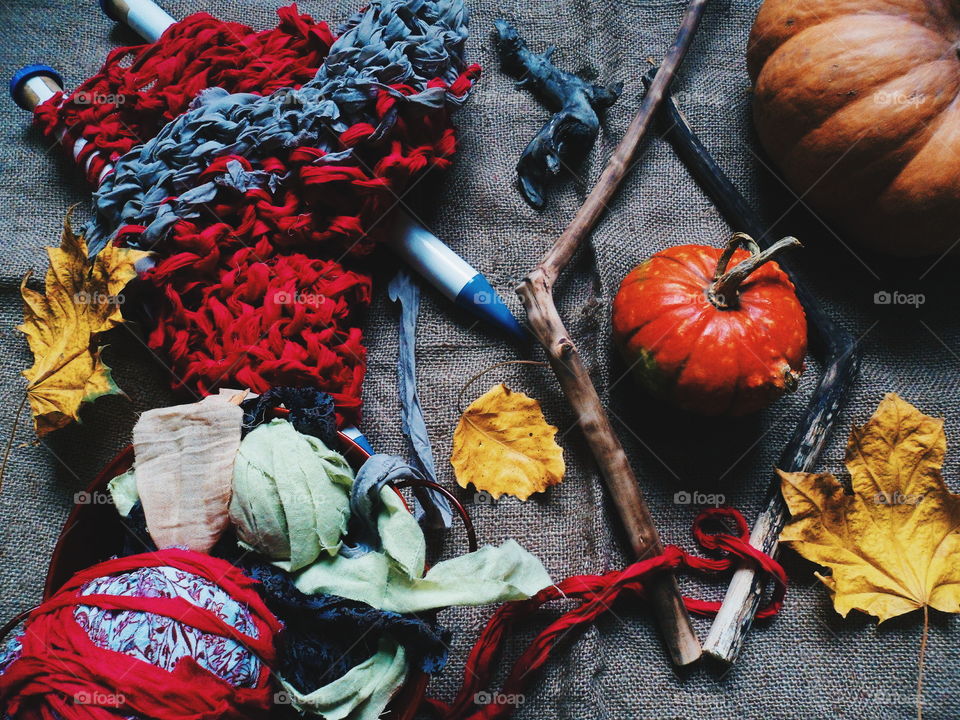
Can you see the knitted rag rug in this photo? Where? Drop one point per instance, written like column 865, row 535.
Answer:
column 251, row 200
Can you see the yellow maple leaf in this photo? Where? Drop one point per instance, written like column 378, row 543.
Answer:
column 62, row 324
column 504, row 445
column 892, row 546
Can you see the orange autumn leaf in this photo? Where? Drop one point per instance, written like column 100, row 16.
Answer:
column 62, row 326
column 893, row 545
column 504, row 446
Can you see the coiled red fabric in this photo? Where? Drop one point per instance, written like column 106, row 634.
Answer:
column 596, row 594
column 218, row 322
column 59, row 662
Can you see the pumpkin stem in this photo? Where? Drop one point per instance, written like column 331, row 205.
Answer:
column 738, row 239
column 725, row 290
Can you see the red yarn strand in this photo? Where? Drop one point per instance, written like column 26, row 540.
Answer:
column 141, row 88
column 597, row 593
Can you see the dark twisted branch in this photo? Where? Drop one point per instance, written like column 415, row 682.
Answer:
column 572, row 130
column 536, row 293
column 836, row 349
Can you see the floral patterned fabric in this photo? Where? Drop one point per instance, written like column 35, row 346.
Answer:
column 159, row 640
column 162, row 641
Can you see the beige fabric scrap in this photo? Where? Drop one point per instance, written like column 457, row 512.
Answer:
column 184, row 469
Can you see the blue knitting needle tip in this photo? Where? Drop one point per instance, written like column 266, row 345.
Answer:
column 451, row 274
column 358, row 438
column 20, row 82
column 479, row 298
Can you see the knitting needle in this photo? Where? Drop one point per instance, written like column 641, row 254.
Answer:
column 35, row 84
column 358, row 438
column 453, row 276
column 146, row 19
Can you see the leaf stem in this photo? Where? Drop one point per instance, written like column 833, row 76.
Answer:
column 13, row 434
column 923, row 652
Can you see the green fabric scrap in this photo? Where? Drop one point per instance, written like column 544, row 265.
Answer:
column 291, row 495
column 123, row 492
column 361, row 694
column 492, row 574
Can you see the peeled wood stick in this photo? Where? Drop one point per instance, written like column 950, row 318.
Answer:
column 536, row 293
column 838, row 354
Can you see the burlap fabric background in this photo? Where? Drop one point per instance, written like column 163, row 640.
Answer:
column 808, row 663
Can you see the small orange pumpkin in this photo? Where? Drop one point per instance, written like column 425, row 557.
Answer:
column 709, row 339
column 855, row 101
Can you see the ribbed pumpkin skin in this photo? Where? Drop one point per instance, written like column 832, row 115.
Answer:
column 697, row 356
column 856, row 102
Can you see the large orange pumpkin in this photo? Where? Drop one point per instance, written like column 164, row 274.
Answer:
column 856, row 102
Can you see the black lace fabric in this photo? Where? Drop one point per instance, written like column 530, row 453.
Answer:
column 311, row 411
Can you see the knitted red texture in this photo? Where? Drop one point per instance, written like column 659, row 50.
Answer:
column 217, row 278
column 141, row 88
column 265, row 320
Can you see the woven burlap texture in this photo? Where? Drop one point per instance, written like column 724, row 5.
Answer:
column 807, row 663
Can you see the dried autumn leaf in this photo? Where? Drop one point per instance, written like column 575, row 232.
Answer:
column 503, row 445
column 893, row 546
column 62, row 326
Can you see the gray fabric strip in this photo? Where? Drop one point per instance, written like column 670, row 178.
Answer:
column 433, row 509
column 365, row 501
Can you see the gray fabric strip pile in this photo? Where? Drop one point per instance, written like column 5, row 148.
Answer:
column 807, row 663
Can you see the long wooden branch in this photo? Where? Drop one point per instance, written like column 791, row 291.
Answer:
column 536, row 293
column 836, row 349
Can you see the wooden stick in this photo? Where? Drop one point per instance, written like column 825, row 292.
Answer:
column 837, row 351
column 536, row 293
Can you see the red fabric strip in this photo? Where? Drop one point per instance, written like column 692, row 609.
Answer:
column 596, row 594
